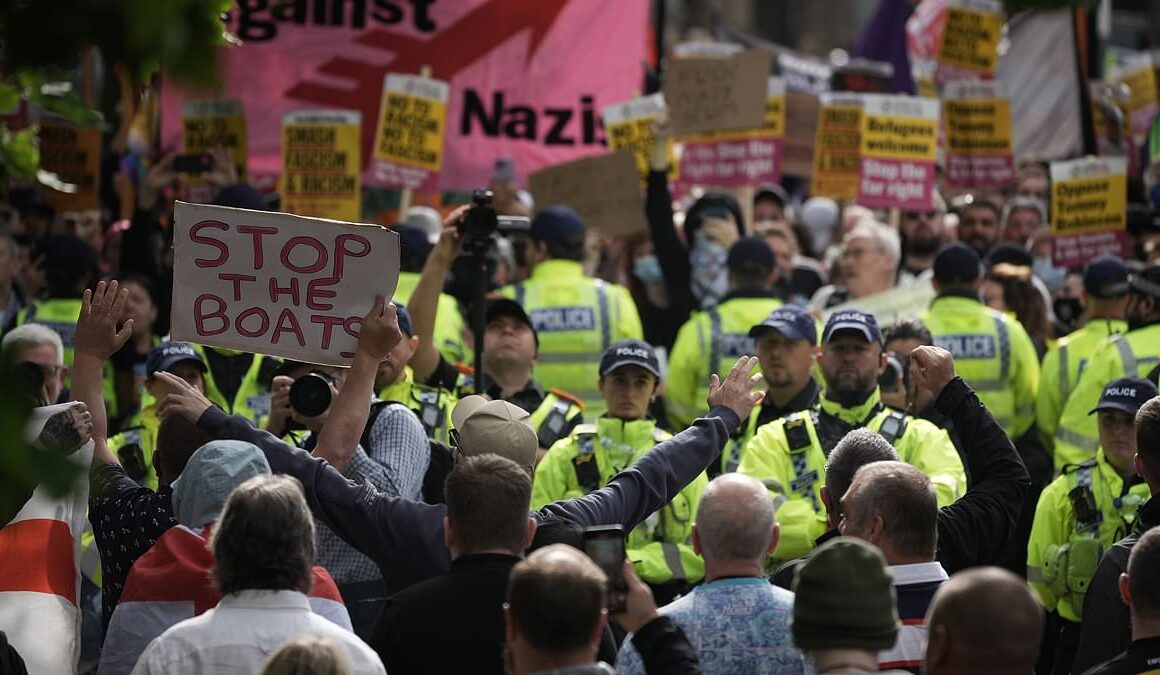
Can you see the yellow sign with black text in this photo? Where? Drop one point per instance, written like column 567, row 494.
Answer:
column 321, row 164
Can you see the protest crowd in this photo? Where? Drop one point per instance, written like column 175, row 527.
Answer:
column 659, row 407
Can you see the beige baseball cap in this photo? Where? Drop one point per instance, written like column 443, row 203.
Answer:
column 497, row 427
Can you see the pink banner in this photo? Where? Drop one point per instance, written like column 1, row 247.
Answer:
column 895, row 183
column 731, row 163
column 527, row 76
column 1076, row 250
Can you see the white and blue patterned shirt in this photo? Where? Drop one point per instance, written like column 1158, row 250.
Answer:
column 737, row 626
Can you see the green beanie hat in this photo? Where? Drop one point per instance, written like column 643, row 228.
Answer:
column 844, row 599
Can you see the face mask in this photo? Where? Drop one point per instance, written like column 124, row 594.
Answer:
column 1051, row 276
column 648, row 269
column 707, row 260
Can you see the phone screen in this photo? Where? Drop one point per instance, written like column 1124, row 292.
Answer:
column 606, row 548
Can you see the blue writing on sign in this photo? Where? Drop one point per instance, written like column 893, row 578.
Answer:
column 968, row 346
column 561, row 319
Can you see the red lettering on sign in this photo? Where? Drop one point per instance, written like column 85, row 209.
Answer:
column 210, row 241
column 318, row 264
column 328, row 323
column 314, row 293
column 258, row 233
column 237, row 279
column 200, row 315
column 292, row 290
column 341, row 251
column 253, row 311
column 352, row 325
column 288, row 323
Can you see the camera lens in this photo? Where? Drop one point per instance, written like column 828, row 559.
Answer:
column 310, row 395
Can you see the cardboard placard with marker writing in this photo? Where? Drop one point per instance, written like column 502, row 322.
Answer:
column 617, row 212
column 717, row 93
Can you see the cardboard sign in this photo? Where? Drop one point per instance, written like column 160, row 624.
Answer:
column 602, row 189
column 273, row 283
column 321, row 167
column 73, row 154
column 899, row 146
column 1139, row 75
column 215, row 123
column 745, row 157
column 715, row 94
column 629, row 126
column 1088, row 209
column 409, row 139
column 978, row 135
column 970, row 40
column 838, row 148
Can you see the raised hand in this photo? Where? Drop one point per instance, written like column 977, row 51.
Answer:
column 178, row 397
column 97, row 335
column 380, row 330
column 931, row 368
column 736, row 392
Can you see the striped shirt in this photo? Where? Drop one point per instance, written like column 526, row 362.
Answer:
column 915, row 586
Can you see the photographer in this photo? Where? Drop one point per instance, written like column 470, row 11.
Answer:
column 393, row 459
column 510, row 345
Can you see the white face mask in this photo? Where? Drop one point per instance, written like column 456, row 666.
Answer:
column 710, row 282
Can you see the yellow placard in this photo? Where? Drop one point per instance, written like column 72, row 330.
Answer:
column 1088, row 196
column 970, row 39
column 411, row 121
column 837, row 151
column 1141, row 83
column 211, row 124
column 629, row 126
column 978, row 126
column 896, row 137
column 321, row 165
column 73, row 155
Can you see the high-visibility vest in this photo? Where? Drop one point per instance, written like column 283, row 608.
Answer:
column 1134, row 353
column 551, row 418
column 134, row 446
column 576, row 318
column 710, row 342
column 253, row 398
column 660, row 548
column 449, row 324
column 993, row 353
column 1062, row 366
column 789, row 457
column 1081, row 513
column 432, row 405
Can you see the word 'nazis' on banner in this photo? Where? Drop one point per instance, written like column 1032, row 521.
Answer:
column 321, row 167
column 899, row 146
column 1088, row 209
column 279, row 284
column 409, row 140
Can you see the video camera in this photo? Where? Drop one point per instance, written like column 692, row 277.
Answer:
column 480, row 225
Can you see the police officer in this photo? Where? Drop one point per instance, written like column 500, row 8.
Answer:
column 1133, row 353
column 577, row 318
column 1105, row 286
column 239, row 382
column 660, row 548
column 414, row 250
column 786, row 344
column 135, row 445
column 510, row 345
column 1089, row 507
column 395, row 381
column 712, row 341
column 789, row 455
column 70, row 266
column 992, row 351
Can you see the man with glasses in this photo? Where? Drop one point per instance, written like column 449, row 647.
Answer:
column 40, row 346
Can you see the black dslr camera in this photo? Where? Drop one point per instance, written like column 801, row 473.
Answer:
column 310, row 394
column 480, row 225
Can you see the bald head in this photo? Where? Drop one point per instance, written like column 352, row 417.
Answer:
column 893, row 506
column 734, row 520
column 983, row 620
column 556, row 600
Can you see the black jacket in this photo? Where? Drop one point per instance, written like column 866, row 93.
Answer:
column 1106, row 629
column 453, row 623
column 973, row 530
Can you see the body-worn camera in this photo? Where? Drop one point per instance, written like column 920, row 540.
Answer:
column 310, row 394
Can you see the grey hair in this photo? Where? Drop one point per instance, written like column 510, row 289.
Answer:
column 30, row 336
column 856, row 449
column 735, row 519
column 1033, row 203
column 884, row 237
